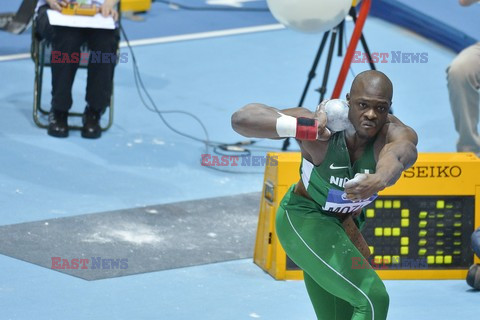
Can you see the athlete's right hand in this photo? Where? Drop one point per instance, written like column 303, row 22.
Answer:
column 57, row 5
column 321, row 116
column 363, row 186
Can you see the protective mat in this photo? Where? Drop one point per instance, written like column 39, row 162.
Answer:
column 138, row 240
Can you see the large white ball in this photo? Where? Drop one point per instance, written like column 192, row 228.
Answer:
column 337, row 115
column 311, row 16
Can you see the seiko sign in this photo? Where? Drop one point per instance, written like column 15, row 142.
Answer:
column 433, row 172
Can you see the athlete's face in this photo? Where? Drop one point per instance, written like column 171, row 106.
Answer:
column 369, row 106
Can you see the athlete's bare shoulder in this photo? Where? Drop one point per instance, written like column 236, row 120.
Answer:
column 394, row 129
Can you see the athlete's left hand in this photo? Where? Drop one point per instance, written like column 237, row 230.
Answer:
column 363, row 186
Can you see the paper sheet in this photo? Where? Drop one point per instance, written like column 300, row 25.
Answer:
column 96, row 22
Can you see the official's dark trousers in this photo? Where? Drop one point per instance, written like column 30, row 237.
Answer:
column 103, row 44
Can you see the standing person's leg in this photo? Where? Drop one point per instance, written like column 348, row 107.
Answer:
column 319, row 245
column 103, row 45
column 463, row 77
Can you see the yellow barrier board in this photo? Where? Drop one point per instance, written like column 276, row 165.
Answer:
column 420, row 228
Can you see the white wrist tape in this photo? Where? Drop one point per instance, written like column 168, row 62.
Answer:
column 286, row 126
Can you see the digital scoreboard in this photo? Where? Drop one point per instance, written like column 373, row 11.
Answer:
column 420, row 228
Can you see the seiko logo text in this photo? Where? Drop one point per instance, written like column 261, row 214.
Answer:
column 433, row 172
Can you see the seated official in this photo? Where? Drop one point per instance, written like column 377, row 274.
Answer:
column 66, row 42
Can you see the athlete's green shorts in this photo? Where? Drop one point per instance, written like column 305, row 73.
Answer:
column 318, row 244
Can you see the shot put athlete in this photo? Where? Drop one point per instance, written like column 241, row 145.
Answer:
column 341, row 172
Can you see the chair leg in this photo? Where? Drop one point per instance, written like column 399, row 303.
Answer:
column 37, row 99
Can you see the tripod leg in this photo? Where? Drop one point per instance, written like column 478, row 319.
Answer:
column 285, row 145
column 312, row 73
column 340, row 38
column 367, row 51
column 323, row 88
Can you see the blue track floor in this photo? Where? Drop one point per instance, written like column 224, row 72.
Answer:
column 231, row 290
column 140, row 162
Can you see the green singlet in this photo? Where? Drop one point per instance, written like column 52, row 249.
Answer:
column 339, row 287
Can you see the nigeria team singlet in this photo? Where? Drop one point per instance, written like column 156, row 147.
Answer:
column 325, row 183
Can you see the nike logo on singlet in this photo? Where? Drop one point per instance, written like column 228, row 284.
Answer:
column 332, row 167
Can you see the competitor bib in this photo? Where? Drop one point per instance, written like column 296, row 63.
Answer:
column 338, row 203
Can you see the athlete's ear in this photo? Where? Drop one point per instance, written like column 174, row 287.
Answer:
column 348, row 97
